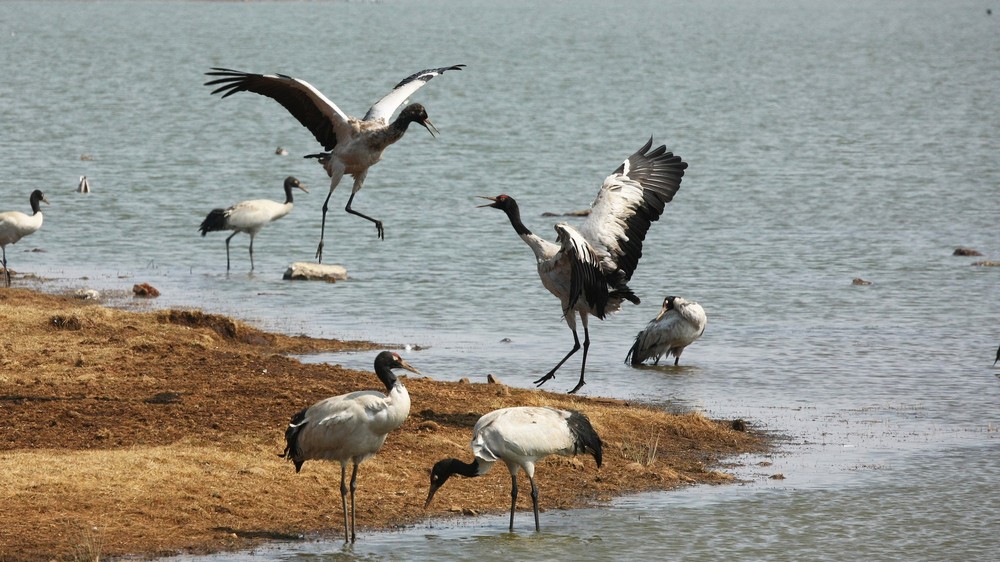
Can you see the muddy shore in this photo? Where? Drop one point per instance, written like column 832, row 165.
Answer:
column 152, row 433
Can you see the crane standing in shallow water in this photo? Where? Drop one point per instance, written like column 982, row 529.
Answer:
column 350, row 428
column 353, row 145
column 679, row 323
column 15, row 225
column 520, row 437
column 588, row 270
column 249, row 216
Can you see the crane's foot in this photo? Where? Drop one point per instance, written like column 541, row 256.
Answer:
column 319, row 253
column 381, row 231
column 544, row 379
column 578, row 386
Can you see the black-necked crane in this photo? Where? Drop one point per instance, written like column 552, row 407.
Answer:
column 352, row 145
column 15, row 225
column 588, row 269
column 250, row 216
column 679, row 323
column 350, row 428
column 520, row 437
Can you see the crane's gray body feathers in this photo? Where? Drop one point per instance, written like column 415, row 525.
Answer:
column 669, row 333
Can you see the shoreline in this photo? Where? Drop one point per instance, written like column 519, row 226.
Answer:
column 155, row 433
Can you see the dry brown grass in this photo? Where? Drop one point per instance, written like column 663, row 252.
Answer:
column 157, row 432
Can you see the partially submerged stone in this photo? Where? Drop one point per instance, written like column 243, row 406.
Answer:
column 315, row 272
column 145, row 290
column 966, row 252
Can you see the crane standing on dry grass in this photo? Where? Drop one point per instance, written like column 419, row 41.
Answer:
column 520, row 437
column 350, row 428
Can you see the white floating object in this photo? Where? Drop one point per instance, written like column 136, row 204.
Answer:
column 87, row 294
column 315, row 272
column 83, row 186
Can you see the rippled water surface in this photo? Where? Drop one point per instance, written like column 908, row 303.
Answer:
column 826, row 141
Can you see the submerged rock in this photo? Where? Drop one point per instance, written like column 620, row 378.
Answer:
column 966, row 252
column 145, row 290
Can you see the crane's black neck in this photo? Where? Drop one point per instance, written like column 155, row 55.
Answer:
column 383, row 369
column 455, row 466
column 514, row 214
column 288, row 193
column 36, row 201
column 413, row 113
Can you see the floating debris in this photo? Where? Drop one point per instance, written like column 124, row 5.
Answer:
column 860, row 281
column 580, row 213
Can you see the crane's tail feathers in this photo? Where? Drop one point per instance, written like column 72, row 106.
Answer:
column 323, row 157
column 634, row 356
column 216, row 220
column 586, row 439
column 293, row 451
column 624, row 293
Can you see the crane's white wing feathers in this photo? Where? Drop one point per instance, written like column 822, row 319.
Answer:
column 385, row 107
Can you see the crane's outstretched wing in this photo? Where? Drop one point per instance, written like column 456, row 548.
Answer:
column 630, row 199
column 321, row 116
column 385, row 107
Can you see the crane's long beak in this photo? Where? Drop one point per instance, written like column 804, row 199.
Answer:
column 408, row 367
column 302, row 187
column 660, row 315
column 430, row 495
column 44, row 200
column 430, row 127
column 494, row 199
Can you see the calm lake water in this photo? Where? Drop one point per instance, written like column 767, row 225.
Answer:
column 826, row 141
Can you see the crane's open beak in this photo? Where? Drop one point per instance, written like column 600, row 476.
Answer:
column 494, row 199
column 430, row 127
column 408, row 367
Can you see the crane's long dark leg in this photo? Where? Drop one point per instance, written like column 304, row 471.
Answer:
column 322, row 228
column 6, row 272
column 534, row 501
column 359, row 180
column 378, row 223
column 343, row 496
column 571, row 321
column 354, row 486
column 513, row 497
column 227, row 249
column 336, row 172
column 586, row 346
column 251, row 252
